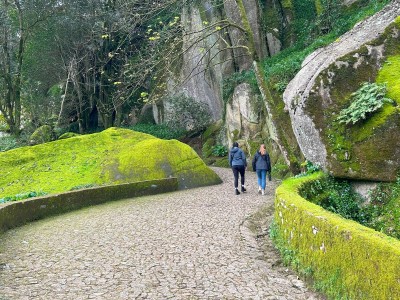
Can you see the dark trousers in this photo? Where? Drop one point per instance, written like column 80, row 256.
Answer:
column 236, row 171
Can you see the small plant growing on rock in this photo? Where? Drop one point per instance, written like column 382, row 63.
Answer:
column 366, row 100
column 219, row 150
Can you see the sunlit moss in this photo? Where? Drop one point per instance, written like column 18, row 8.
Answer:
column 112, row 156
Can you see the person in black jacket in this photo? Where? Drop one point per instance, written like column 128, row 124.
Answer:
column 238, row 163
column 262, row 165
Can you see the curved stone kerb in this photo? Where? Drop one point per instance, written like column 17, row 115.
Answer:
column 14, row 214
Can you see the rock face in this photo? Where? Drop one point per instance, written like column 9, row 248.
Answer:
column 243, row 114
column 370, row 149
column 111, row 157
column 206, row 63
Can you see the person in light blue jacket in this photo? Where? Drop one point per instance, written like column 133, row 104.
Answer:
column 262, row 165
column 238, row 163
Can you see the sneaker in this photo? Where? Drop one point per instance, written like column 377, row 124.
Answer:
column 259, row 189
column 243, row 189
column 262, row 192
column 237, row 192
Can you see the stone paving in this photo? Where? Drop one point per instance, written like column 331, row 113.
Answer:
column 189, row 244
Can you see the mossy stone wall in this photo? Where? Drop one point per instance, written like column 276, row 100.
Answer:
column 346, row 259
column 18, row 213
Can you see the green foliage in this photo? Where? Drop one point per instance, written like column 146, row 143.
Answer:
column 383, row 211
column 22, row 196
column 161, row 131
column 231, row 82
column 8, row 143
column 187, row 114
column 366, row 100
column 336, row 196
column 219, row 150
column 309, row 168
column 3, row 123
column 314, row 30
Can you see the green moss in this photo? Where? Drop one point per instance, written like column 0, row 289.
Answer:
column 235, row 134
column 3, row 124
column 287, row 4
column 325, row 243
column 390, row 73
column 222, row 162
column 318, row 7
column 212, row 130
column 208, row 147
column 41, row 135
column 112, row 156
column 68, row 135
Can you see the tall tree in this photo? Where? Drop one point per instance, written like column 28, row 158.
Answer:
column 18, row 20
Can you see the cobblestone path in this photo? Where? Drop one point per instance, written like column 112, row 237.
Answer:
column 190, row 244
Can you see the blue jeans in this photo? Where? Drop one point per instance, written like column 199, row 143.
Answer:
column 262, row 178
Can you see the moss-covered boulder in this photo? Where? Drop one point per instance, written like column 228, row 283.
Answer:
column 370, row 148
column 41, row 135
column 111, row 157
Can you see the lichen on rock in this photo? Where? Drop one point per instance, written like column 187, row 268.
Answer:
column 368, row 53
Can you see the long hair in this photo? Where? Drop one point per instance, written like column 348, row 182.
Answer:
column 262, row 149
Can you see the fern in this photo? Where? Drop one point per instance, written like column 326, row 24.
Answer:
column 366, row 100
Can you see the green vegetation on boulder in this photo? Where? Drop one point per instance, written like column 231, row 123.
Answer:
column 43, row 134
column 111, row 157
column 365, row 150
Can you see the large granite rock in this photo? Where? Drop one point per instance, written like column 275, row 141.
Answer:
column 370, row 149
column 243, row 114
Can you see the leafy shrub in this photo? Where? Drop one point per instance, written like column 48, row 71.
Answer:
column 231, row 82
column 22, row 196
column 333, row 19
column 8, row 143
column 309, row 168
column 186, row 114
column 383, row 211
column 219, row 150
column 336, row 196
column 366, row 100
column 161, row 131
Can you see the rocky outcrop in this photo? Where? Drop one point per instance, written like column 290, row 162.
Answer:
column 208, row 61
column 365, row 151
column 243, row 114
